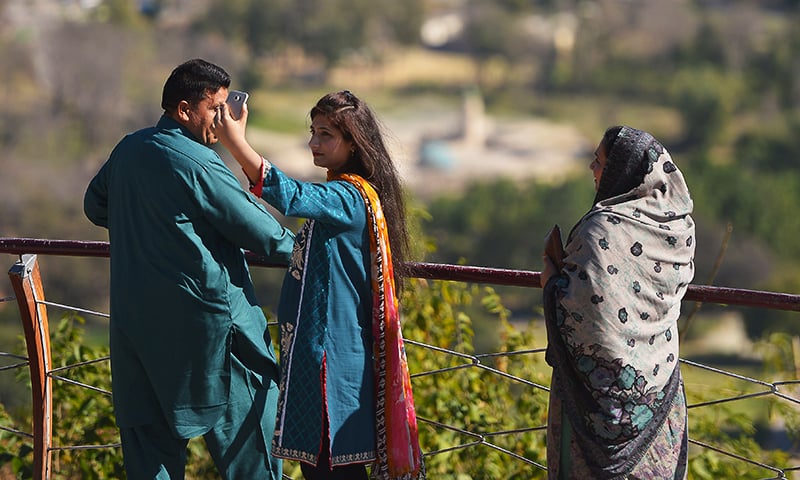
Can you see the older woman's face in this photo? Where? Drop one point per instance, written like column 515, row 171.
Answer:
column 598, row 164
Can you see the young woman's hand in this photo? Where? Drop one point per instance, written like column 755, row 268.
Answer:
column 231, row 134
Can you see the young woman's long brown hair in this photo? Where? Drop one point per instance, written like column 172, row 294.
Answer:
column 370, row 160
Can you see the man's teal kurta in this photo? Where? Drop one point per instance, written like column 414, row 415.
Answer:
column 182, row 301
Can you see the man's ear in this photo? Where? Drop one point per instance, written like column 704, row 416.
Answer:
column 182, row 111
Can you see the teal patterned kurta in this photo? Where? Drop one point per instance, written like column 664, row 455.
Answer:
column 181, row 296
column 325, row 315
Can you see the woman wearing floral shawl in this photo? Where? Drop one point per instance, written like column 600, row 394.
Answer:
column 617, row 403
column 345, row 393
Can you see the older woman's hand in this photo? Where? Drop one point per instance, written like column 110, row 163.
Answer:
column 548, row 270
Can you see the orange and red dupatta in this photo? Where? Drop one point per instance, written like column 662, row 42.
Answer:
column 399, row 455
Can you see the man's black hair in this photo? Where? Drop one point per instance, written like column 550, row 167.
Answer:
column 193, row 81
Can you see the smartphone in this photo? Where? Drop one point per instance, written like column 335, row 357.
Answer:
column 236, row 100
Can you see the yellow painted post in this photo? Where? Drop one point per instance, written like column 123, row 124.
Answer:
column 27, row 284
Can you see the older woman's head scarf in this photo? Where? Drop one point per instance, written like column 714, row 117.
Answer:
column 626, row 162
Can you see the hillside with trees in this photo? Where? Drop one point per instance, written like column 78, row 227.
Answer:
column 717, row 81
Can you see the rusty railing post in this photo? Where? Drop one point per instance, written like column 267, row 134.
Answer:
column 27, row 284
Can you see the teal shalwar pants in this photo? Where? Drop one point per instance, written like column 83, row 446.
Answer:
column 238, row 443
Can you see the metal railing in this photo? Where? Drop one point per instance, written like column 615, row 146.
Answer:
column 26, row 280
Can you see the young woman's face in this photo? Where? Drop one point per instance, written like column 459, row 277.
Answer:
column 598, row 164
column 328, row 146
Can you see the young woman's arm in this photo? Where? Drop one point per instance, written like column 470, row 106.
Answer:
column 231, row 133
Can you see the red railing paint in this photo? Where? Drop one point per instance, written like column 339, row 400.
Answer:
column 434, row 271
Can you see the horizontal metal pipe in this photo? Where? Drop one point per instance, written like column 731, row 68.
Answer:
column 433, row 271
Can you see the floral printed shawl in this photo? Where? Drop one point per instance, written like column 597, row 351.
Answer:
column 399, row 455
column 612, row 312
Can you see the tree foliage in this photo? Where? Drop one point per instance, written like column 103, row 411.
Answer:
column 328, row 29
column 725, row 425
column 502, row 224
column 474, row 417
column 80, row 416
column 472, row 399
column 730, row 71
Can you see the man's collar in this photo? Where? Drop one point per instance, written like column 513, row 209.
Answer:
column 168, row 123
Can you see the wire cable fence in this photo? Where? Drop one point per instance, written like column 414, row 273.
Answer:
column 784, row 393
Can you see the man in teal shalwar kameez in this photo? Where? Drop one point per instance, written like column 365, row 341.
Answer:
column 191, row 354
